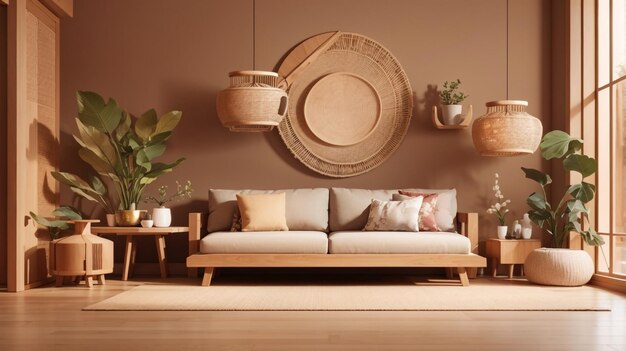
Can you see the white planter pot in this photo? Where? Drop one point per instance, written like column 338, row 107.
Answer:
column 162, row 217
column 147, row 223
column 502, row 229
column 451, row 114
column 527, row 233
column 111, row 219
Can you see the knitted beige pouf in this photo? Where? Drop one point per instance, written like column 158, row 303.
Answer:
column 562, row 267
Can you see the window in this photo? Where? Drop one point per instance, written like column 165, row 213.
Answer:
column 610, row 118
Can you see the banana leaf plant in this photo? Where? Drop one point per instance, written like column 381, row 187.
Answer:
column 60, row 223
column 119, row 147
column 570, row 214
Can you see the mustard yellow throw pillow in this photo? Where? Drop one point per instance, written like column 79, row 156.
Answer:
column 263, row 212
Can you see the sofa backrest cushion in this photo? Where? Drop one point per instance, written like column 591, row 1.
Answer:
column 349, row 207
column 307, row 209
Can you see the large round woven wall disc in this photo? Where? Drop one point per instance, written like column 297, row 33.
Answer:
column 350, row 103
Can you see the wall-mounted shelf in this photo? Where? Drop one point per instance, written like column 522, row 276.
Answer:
column 467, row 119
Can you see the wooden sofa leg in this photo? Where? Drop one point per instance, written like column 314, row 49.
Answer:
column 463, row 276
column 208, row 274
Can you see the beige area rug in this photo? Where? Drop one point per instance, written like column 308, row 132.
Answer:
column 487, row 295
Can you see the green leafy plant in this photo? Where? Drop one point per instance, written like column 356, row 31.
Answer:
column 570, row 213
column 450, row 94
column 61, row 221
column 119, row 147
column 162, row 198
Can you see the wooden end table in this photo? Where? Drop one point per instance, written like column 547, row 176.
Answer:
column 131, row 246
column 511, row 252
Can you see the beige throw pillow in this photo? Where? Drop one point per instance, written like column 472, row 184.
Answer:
column 394, row 215
column 264, row 212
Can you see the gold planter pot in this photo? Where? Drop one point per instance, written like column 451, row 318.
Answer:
column 129, row 218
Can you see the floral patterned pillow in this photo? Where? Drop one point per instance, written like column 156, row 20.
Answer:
column 427, row 219
column 394, row 215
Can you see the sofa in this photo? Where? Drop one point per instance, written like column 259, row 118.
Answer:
column 326, row 230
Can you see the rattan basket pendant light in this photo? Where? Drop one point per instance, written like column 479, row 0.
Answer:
column 253, row 102
column 506, row 129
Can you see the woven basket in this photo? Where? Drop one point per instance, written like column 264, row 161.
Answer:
column 253, row 103
column 506, row 130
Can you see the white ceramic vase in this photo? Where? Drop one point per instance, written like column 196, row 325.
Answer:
column 162, row 217
column 502, row 229
column 451, row 114
column 111, row 219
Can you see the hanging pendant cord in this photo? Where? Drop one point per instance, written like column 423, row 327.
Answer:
column 254, row 35
column 507, row 49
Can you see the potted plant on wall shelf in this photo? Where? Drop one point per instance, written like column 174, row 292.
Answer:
column 570, row 214
column 162, row 216
column 120, row 148
column 451, row 99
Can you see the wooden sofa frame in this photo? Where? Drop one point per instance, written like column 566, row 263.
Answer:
column 466, row 265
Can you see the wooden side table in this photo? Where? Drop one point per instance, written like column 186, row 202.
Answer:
column 511, row 252
column 131, row 246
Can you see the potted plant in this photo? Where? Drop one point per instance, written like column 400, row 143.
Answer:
column 568, row 215
column 162, row 216
column 451, row 99
column 121, row 149
column 499, row 209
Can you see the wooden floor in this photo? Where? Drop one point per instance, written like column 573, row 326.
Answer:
column 51, row 319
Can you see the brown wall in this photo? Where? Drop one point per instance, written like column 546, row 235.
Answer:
column 3, row 149
column 176, row 55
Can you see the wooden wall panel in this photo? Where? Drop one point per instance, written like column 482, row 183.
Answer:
column 33, row 137
column 3, row 154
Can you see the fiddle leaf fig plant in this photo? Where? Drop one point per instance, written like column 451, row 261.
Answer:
column 118, row 147
column 570, row 213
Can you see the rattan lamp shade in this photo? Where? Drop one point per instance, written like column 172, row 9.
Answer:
column 252, row 103
column 506, row 130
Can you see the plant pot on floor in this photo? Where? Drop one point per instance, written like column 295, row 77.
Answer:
column 451, row 114
column 561, row 267
column 162, row 217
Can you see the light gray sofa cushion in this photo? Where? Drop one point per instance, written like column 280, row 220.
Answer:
column 307, row 209
column 349, row 207
column 294, row 242
column 359, row 242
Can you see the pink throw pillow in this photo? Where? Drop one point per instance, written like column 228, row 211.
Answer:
column 427, row 219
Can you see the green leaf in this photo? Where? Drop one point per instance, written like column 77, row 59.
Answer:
column 97, row 163
column 168, row 122
column 160, row 168
column 159, row 138
column 592, row 238
column 67, row 212
column 97, row 142
column 539, row 217
column 538, row 176
column 70, row 179
column 576, row 206
column 153, row 151
column 146, row 125
column 124, row 126
column 537, row 202
column 557, row 144
column 89, row 195
column 582, row 164
column 49, row 223
column 93, row 112
column 583, row 191
column 97, row 185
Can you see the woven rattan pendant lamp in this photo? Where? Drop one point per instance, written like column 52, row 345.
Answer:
column 507, row 129
column 253, row 102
